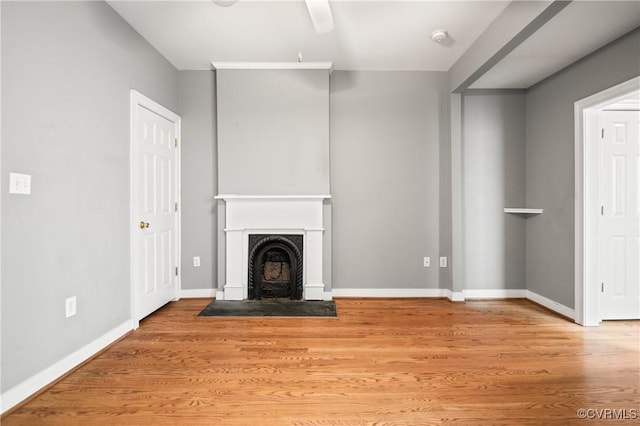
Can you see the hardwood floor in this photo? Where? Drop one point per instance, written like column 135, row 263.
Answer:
column 381, row 362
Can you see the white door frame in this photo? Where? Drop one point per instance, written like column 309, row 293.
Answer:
column 138, row 99
column 587, row 129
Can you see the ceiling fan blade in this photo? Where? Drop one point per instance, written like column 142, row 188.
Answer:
column 320, row 15
column 224, row 3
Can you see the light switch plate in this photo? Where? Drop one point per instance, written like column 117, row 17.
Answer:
column 427, row 262
column 19, row 184
column 443, row 262
column 70, row 306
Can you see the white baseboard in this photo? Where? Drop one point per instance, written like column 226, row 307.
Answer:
column 550, row 304
column 455, row 296
column 197, row 293
column 314, row 291
column 35, row 383
column 389, row 292
column 503, row 293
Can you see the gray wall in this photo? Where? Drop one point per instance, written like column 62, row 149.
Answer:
column 272, row 139
column 550, row 162
column 385, row 140
column 273, row 132
column 493, row 178
column 67, row 68
column 199, row 178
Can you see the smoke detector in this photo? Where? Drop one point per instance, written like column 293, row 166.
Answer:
column 439, row 35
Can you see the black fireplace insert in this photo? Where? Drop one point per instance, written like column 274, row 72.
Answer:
column 275, row 266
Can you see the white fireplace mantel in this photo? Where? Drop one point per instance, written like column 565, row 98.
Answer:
column 273, row 214
column 231, row 197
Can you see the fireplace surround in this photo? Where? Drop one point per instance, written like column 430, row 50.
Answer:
column 279, row 220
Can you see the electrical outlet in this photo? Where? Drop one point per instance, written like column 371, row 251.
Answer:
column 70, row 306
column 443, row 262
column 427, row 262
column 19, row 184
column 196, row 261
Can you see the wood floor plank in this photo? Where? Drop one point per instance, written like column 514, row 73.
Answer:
column 380, row 362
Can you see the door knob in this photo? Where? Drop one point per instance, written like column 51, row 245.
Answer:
column 144, row 224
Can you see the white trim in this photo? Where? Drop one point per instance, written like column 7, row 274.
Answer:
column 272, row 66
column 273, row 214
column 35, row 383
column 455, row 296
column 314, row 291
column 523, row 210
column 270, row 197
column 137, row 98
column 550, row 304
column 587, row 299
column 234, row 291
column 299, row 231
column 197, row 293
column 499, row 293
column 457, row 205
column 389, row 292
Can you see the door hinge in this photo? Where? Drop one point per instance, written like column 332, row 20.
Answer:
column 176, row 271
column 601, row 210
column 602, row 133
column 175, row 142
column 175, row 207
column 601, row 287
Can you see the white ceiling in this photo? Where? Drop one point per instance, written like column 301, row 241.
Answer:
column 371, row 34
column 577, row 30
column 368, row 35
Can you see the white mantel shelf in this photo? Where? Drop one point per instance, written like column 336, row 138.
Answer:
column 270, row 197
column 522, row 210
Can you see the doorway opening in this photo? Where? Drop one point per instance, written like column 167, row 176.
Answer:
column 588, row 200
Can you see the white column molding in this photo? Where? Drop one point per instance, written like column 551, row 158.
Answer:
column 234, row 287
column 314, row 285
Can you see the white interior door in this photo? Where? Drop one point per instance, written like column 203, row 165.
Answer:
column 155, row 193
column 619, row 227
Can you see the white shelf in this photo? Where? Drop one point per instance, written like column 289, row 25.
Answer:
column 522, row 210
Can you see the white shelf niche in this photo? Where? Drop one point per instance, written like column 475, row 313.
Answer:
column 522, row 210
